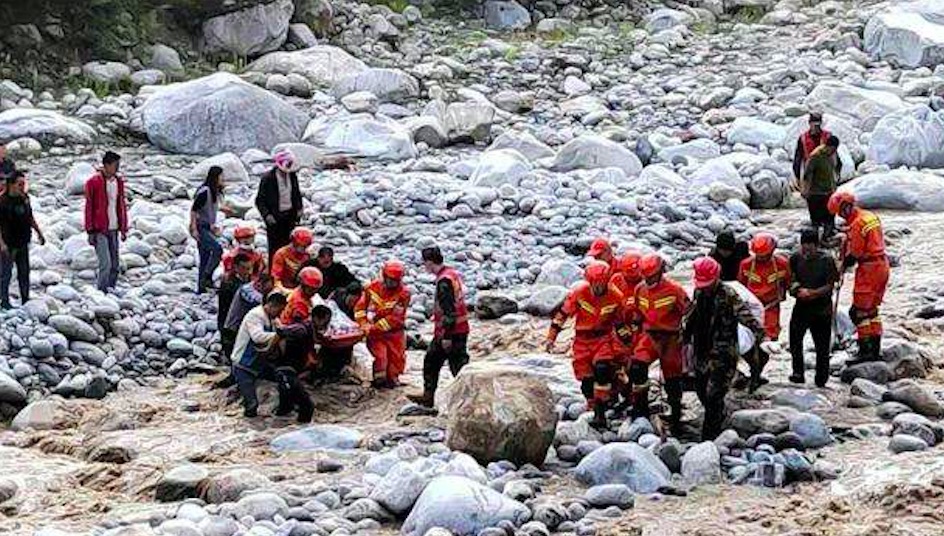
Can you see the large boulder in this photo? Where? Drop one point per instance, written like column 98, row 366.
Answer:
column 234, row 172
column 702, row 464
column 506, row 15
column 47, row 414
column 697, row 150
column 106, row 72
column 624, row 463
column 847, row 132
column 463, row 507
column 747, row 422
column 399, row 488
column 756, row 132
column 663, row 19
column 363, row 137
column 501, row 414
column 899, row 189
column 181, row 482
column 322, row 65
column 523, row 142
column 75, row 329
column 912, row 137
column 45, row 126
column 469, row 122
column 249, row 32
column 917, row 398
column 79, row 173
column 909, row 34
column 721, row 172
column 861, row 107
column 389, row 85
column 559, row 273
column 591, row 151
column 229, row 486
column 11, row 392
column 217, row 114
column 767, row 190
column 500, row 167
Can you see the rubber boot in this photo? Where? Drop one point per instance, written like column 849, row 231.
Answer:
column 599, row 417
column 757, row 371
column 641, row 404
column 877, row 348
column 866, row 353
column 425, row 399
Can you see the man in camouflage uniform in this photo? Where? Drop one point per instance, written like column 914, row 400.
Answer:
column 711, row 327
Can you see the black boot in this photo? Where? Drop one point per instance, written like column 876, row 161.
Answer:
column 866, row 352
column 599, row 416
column 757, row 371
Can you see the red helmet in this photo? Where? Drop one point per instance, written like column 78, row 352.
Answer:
column 838, row 199
column 393, row 269
column 302, row 237
column 649, row 265
column 598, row 247
column 629, row 264
column 763, row 244
column 597, row 272
column 707, row 272
column 243, row 232
column 310, row 277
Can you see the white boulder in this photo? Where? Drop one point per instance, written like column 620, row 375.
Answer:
column 43, row 125
column 756, row 132
column 217, row 114
column 389, row 85
column 861, row 107
column 322, row 65
column 899, row 189
column 591, row 151
column 363, row 137
column 913, row 137
column 909, row 34
column 249, row 32
column 499, row 167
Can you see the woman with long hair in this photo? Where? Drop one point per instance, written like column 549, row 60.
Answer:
column 203, row 228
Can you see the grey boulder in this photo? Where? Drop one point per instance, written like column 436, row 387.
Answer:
column 249, row 32
column 463, row 507
column 623, row 463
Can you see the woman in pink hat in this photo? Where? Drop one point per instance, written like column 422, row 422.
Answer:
column 280, row 201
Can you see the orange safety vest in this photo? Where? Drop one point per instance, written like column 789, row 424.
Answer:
column 285, row 265
column 382, row 308
column 298, row 308
column 461, row 326
column 768, row 280
column 865, row 239
column 258, row 260
column 594, row 315
column 662, row 306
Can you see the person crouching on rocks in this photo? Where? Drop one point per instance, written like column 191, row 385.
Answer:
column 256, row 350
column 596, row 306
column 711, row 327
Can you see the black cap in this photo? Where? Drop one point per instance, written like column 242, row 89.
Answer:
column 809, row 236
column 725, row 240
column 816, row 117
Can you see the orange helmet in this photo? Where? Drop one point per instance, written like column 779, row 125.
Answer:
column 393, row 269
column 243, row 232
column 763, row 244
column 302, row 237
column 649, row 265
column 838, row 199
column 597, row 272
column 310, row 277
column 598, row 247
column 629, row 264
column 707, row 271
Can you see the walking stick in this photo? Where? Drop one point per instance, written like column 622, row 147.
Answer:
column 842, row 277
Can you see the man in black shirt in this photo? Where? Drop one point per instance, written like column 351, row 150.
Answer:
column 16, row 228
column 729, row 253
column 336, row 275
column 814, row 277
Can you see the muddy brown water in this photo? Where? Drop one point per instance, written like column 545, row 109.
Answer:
column 172, row 421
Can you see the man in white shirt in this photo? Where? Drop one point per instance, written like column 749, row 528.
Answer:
column 256, row 344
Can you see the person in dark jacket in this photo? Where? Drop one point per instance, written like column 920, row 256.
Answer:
column 814, row 277
column 808, row 141
column 818, row 184
column 711, row 327
column 7, row 165
column 729, row 253
column 16, row 228
column 336, row 274
column 280, row 202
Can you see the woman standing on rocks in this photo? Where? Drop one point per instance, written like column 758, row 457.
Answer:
column 280, row 202
column 203, row 227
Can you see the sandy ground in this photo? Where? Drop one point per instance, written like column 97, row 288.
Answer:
column 169, row 422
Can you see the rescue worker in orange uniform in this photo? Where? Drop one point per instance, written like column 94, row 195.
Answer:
column 600, row 250
column 245, row 237
column 596, row 305
column 381, row 314
column 767, row 276
column 288, row 260
column 298, row 308
column 450, row 326
column 864, row 246
column 626, row 280
column 662, row 304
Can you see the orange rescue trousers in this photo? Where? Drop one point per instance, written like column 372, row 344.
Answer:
column 663, row 346
column 772, row 321
column 871, row 280
column 389, row 351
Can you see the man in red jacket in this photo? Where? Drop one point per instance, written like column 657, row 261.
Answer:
column 106, row 217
